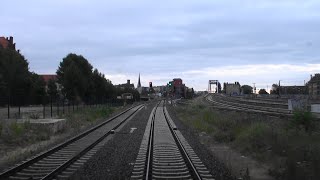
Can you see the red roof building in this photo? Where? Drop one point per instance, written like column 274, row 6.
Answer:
column 48, row 77
column 7, row 43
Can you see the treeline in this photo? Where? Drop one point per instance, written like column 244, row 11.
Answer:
column 77, row 80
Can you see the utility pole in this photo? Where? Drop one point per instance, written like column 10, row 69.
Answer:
column 279, row 87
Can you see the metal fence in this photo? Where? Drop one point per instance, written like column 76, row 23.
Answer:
column 47, row 107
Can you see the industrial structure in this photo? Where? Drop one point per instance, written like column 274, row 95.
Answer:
column 217, row 88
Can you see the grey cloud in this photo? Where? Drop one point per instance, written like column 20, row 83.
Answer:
column 164, row 36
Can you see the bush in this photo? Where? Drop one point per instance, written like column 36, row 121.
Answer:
column 34, row 116
column 293, row 146
column 304, row 120
column 303, row 163
column 253, row 138
column 17, row 129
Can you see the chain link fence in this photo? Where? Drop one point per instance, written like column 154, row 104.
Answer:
column 39, row 107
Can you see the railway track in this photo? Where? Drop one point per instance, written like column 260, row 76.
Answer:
column 65, row 159
column 164, row 152
column 223, row 104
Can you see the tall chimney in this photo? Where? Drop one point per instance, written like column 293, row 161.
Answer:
column 11, row 40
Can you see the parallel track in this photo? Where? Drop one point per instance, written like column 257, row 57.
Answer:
column 164, row 152
column 224, row 104
column 63, row 160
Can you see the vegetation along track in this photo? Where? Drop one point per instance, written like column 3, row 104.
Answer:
column 63, row 160
column 164, row 152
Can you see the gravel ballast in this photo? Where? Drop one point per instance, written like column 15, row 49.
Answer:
column 116, row 158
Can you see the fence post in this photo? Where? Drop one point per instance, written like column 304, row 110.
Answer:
column 19, row 113
column 51, row 105
column 57, row 101
column 44, row 110
column 63, row 106
column 9, row 107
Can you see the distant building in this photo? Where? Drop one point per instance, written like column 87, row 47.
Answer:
column 314, row 86
column 232, row 88
column 126, row 85
column 289, row 90
column 47, row 77
column 7, row 43
column 159, row 89
column 177, row 89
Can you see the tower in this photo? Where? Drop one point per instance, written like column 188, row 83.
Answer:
column 139, row 88
column 139, row 83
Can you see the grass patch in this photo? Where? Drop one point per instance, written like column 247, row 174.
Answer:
column 83, row 118
column 21, row 140
column 292, row 146
column 22, row 134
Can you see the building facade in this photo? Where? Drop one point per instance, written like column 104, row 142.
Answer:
column 7, row 43
column 232, row 88
column 47, row 77
column 127, row 85
column 314, row 86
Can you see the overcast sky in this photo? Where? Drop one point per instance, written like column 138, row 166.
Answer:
column 256, row 41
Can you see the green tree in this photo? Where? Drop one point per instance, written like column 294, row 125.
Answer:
column 246, row 89
column 263, row 91
column 274, row 89
column 52, row 88
column 74, row 74
column 101, row 87
column 37, row 91
column 14, row 73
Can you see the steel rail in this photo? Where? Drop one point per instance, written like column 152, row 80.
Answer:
column 58, row 147
column 190, row 164
column 150, row 147
column 77, row 156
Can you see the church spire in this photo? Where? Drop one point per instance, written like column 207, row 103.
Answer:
column 139, row 83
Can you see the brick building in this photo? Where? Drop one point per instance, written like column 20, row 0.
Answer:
column 47, row 77
column 6, row 42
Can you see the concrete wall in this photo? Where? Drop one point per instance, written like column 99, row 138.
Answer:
column 315, row 108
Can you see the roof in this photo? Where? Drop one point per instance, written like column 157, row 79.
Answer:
column 315, row 78
column 48, row 77
column 4, row 42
